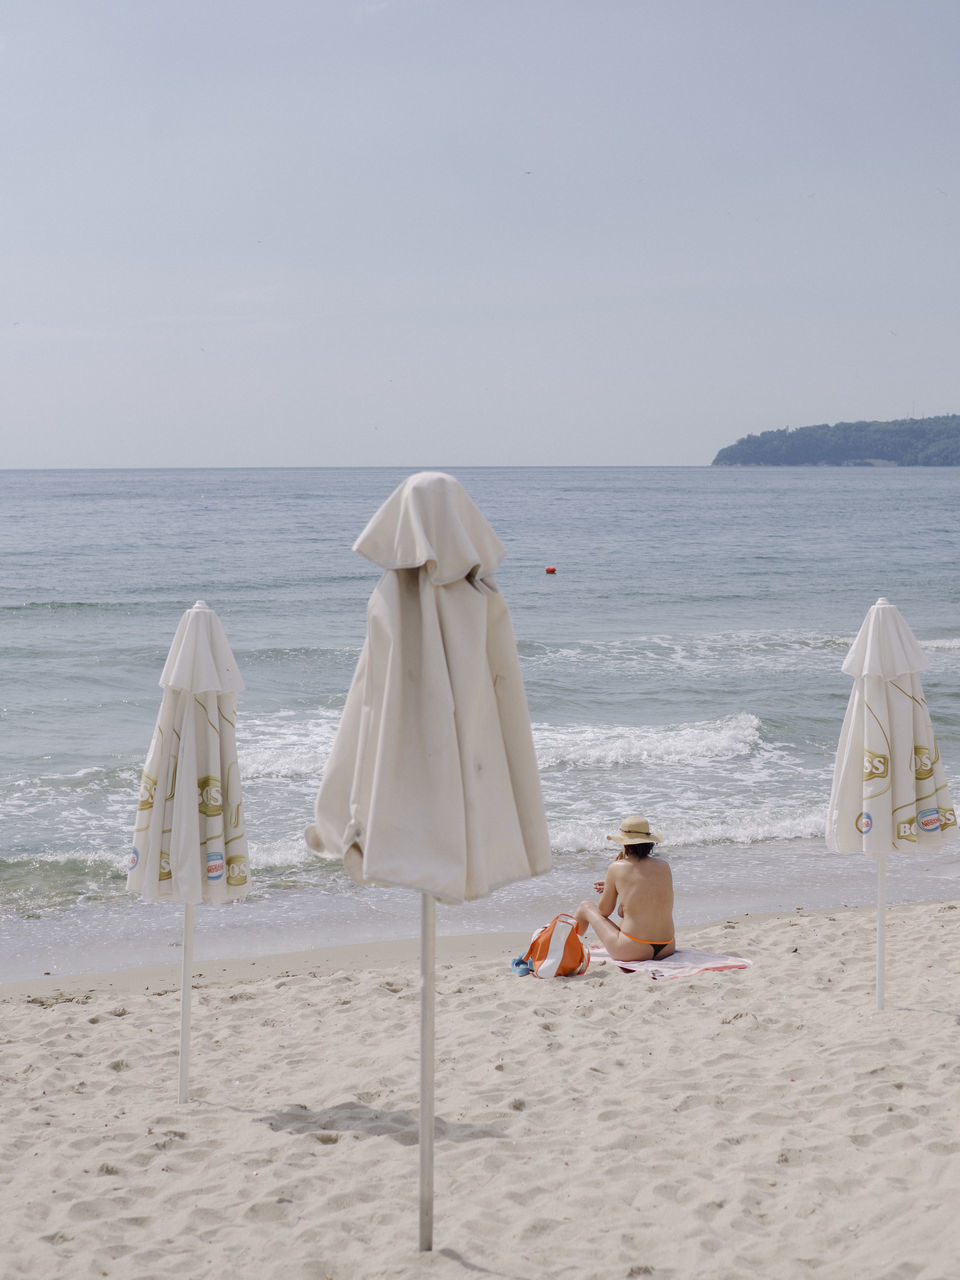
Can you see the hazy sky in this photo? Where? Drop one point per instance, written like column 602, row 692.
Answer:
column 454, row 232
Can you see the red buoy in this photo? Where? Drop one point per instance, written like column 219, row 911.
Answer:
column 551, row 569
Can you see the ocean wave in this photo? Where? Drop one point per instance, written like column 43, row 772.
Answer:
column 768, row 651
column 88, row 815
column 729, row 738
column 54, row 860
column 74, row 786
column 683, row 831
column 751, row 825
column 281, row 747
column 724, row 780
column 714, row 782
column 943, row 644
column 74, row 606
column 297, row 654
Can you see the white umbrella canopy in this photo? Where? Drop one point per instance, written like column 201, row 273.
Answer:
column 889, row 791
column 432, row 781
column 189, row 842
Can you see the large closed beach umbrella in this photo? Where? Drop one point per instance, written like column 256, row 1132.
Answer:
column 432, row 781
column 889, row 791
column 189, row 842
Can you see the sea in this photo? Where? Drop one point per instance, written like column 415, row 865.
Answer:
column 682, row 662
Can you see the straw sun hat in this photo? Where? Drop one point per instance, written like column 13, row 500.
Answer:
column 636, row 830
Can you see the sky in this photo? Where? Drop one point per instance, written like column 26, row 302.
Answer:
column 470, row 232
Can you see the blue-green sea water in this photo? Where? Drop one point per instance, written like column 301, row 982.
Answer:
column 683, row 662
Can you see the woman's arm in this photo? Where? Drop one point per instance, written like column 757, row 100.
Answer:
column 608, row 899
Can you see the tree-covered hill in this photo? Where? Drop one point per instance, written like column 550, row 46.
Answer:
column 908, row 442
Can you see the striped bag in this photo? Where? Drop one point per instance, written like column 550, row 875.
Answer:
column 557, row 950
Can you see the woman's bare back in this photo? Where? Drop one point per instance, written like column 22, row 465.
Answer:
column 644, row 889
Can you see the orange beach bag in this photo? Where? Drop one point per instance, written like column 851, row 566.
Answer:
column 557, row 950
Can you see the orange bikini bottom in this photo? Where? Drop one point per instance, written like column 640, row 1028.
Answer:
column 657, row 946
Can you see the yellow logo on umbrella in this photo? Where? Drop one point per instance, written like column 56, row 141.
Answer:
column 948, row 818
column 148, row 791
column 210, row 798
column 924, row 760
column 875, row 765
column 237, row 872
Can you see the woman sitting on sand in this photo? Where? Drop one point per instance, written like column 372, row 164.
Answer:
column 644, row 887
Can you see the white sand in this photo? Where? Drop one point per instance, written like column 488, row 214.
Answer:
column 758, row 1123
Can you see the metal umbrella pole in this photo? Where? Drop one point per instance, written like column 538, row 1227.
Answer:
column 428, row 958
column 881, row 925
column 186, row 994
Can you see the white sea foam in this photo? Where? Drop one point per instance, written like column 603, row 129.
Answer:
column 943, row 644
column 687, row 830
column 748, row 824
column 88, row 814
column 283, row 747
column 701, row 782
column 747, row 650
column 729, row 738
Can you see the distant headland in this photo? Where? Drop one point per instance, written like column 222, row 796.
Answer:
column 906, row 442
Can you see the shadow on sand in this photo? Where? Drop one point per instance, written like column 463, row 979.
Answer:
column 357, row 1117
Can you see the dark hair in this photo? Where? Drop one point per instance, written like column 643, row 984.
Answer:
column 637, row 850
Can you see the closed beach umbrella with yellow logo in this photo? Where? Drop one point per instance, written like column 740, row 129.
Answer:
column 189, row 842
column 889, row 791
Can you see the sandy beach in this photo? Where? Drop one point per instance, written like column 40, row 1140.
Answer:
column 761, row 1122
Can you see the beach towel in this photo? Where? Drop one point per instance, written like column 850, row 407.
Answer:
column 684, row 963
